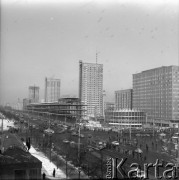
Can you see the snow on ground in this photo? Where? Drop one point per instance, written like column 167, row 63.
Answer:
column 6, row 123
column 48, row 166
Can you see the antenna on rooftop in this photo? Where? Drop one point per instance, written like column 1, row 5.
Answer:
column 96, row 57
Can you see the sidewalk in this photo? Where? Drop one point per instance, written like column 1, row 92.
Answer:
column 47, row 166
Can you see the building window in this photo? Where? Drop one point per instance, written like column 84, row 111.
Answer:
column 33, row 174
column 20, row 174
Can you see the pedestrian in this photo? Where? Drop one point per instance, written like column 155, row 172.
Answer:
column 147, row 147
column 145, row 158
column 133, row 153
column 54, row 172
column 140, row 155
column 43, row 176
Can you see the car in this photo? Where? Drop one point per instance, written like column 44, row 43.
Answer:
column 90, row 136
column 65, row 141
column 90, row 149
column 101, row 147
column 74, row 134
column 116, row 143
column 72, row 144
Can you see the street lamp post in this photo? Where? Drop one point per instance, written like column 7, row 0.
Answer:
column 79, row 134
column 2, row 133
column 66, row 168
column 153, row 127
column 101, row 164
column 49, row 132
column 50, row 146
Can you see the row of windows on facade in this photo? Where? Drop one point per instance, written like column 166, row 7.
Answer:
column 92, row 82
column 89, row 101
column 152, row 103
column 92, row 68
column 123, row 96
column 94, row 94
column 154, row 95
column 151, row 91
column 152, row 87
column 123, row 99
column 92, row 100
column 92, row 75
column 53, row 83
column 157, row 77
column 89, row 82
column 138, row 118
column 152, row 82
column 156, row 73
column 152, row 98
column 164, row 79
column 157, row 87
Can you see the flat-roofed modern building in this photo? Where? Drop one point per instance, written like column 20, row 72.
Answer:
column 91, row 87
column 126, row 118
column 156, row 91
column 34, row 94
column 123, row 99
column 68, row 108
column 52, row 89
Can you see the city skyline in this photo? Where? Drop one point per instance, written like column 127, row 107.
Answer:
column 48, row 39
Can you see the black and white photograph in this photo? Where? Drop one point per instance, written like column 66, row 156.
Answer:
column 89, row 89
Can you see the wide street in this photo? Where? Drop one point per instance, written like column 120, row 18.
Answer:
column 141, row 147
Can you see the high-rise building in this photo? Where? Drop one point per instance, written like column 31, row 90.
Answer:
column 34, row 94
column 123, row 99
column 52, row 89
column 26, row 102
column 156, row 91
column 109, row 106
column 91, row 87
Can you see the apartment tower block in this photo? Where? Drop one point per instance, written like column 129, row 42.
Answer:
column 91, row 88
column 52, row 89
column 34, row 94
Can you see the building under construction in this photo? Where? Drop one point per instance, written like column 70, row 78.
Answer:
column 65, row 107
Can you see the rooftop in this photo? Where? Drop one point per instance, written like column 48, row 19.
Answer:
column 153, row 69
column 16, row 155
column 15, row 152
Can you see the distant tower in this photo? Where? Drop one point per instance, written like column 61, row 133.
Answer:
column 123, row 99
column 91, row 87
column 34, row 94
column 52, row 89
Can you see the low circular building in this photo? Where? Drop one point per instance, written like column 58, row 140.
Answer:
column 126, row 118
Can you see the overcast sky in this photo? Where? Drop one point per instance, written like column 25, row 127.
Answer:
column 48, row 38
